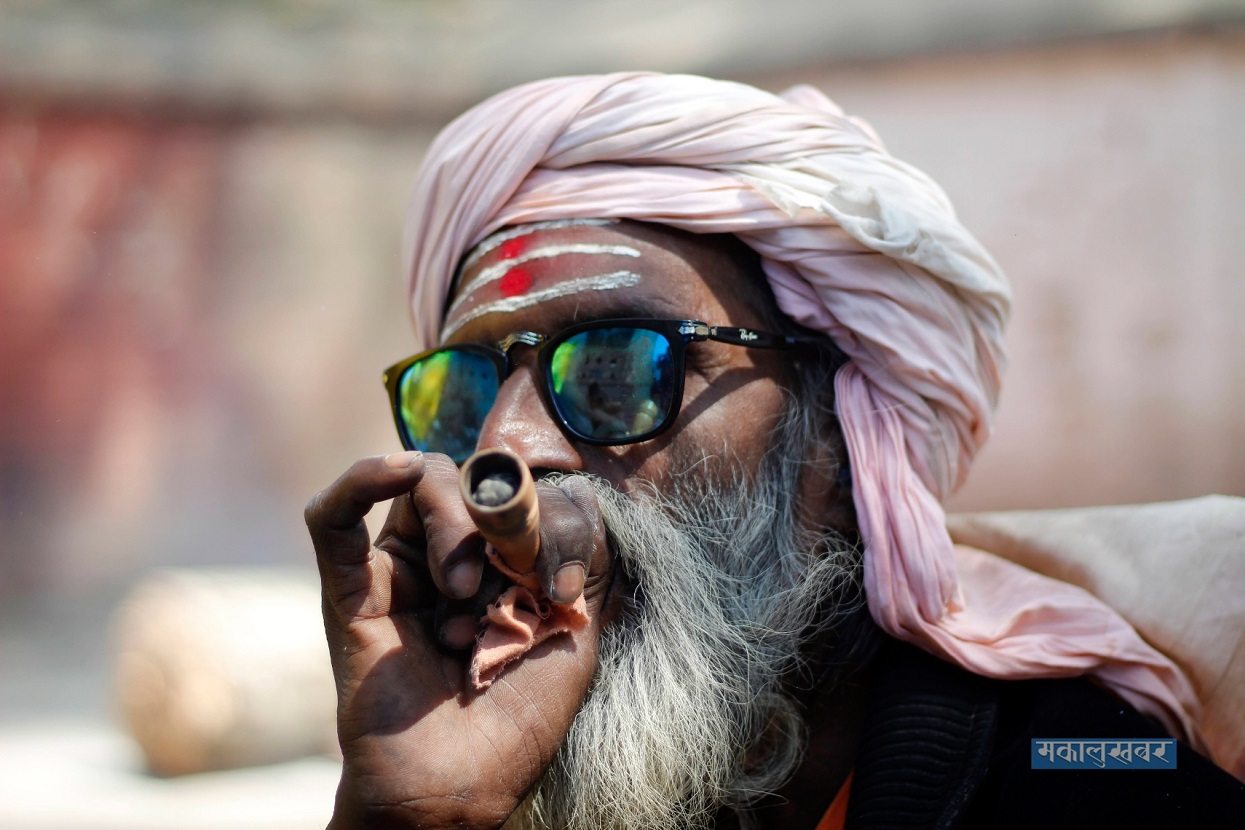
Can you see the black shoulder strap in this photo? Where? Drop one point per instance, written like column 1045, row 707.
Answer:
column 926, row 743
column 944, row 748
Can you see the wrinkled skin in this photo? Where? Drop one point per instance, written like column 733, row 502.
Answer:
column 420, row 748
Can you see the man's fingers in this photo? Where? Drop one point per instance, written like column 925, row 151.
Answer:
column 429, row 526
column 334, row 516
column 454, row 546
column 369, row 481
column 572, row 538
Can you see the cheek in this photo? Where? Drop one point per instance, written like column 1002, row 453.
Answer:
column 721, row 431
column 742, row 421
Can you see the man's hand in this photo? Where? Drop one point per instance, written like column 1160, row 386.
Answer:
column 421, row 747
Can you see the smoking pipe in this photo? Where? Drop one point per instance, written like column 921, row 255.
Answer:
column 500, row 495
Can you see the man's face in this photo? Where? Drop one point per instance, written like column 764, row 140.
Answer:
column 688, row 695
column 547, row 280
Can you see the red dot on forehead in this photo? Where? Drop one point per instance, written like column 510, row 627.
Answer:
column 517, row 281
column 511, row 248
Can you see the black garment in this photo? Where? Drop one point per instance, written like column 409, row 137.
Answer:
column 944, row 748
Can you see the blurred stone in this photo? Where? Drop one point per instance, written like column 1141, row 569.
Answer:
column 218, row 669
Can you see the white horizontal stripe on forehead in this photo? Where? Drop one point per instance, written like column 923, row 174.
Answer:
column 498, row 270
column 490, row 242
column 604, row 282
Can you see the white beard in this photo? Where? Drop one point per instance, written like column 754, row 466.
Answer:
column 688, row 711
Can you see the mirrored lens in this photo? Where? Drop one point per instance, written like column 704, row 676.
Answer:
column 613, row 383
column 444, row 399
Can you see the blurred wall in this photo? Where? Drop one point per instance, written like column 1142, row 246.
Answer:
column 1106, row 176
column 197, row 302
column 195, row 314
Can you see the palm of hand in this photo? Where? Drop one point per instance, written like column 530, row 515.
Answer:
column 436, row 750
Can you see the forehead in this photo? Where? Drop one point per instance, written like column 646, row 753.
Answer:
column 554, row 274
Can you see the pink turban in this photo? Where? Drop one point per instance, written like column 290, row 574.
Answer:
column 854, row 243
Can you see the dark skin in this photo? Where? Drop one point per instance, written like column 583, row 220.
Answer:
column 420, row 747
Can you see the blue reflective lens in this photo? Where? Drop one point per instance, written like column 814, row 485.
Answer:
column 444, row 399
column 613, row 383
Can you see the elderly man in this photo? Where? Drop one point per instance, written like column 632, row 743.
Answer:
column 746, row 353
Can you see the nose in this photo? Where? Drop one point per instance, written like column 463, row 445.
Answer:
column 520, row 421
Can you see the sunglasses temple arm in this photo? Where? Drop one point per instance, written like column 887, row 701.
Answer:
column 751, row 338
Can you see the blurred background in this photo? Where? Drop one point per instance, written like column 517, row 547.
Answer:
column 200, row 209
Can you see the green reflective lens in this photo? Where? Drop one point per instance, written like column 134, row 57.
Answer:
column 444, row 399
column 613, row 383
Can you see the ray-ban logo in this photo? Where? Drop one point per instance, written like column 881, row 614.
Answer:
column 1114, row 753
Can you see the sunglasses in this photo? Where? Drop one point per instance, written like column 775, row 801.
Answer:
column 607, row 382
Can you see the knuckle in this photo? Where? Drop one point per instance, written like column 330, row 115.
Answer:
column 562, row 527
column 313, row 509
column 434, row 498
column 569, row 538
column 440, row 467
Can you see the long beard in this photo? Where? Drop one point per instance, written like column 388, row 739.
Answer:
column 688, row 712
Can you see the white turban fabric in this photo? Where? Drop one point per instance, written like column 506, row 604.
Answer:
column 855, row 244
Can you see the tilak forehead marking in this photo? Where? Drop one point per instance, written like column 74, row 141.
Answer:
column 505, row 235
column 602, row 282
column 500, row 270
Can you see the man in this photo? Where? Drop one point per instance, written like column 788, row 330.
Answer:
column 718, row 480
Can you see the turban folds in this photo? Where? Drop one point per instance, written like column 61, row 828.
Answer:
column 854, row 243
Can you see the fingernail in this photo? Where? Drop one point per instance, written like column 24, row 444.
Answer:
column 568, row 582
column 398, row 460
column 463, row 580
column 459, row 632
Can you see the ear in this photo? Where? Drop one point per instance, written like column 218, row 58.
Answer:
column 826, row 485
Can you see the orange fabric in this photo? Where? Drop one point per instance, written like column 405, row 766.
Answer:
column 836, row 817
column 522, row 618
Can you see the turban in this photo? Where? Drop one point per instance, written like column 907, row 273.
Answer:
column 855, row 244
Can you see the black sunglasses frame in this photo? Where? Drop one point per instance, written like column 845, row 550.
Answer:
column 679, row 333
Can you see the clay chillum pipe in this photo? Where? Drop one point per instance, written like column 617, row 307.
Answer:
column 500, row 495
